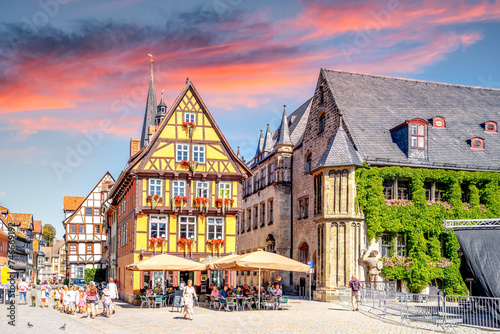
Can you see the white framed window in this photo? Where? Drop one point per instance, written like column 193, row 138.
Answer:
column 72, row 249
column 202, row 189
column 96, row 212
column 157, row 226
column 179, row 188
column 199, row 153
column 187, row 227
column 79, row 272
column 224, row 190
column 182, row 152
column 215, row 228
column 81, row 229
column 190, row 117
column 155, row 187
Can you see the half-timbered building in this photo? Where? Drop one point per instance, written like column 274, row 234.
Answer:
column 84, row 234
column 179, row 193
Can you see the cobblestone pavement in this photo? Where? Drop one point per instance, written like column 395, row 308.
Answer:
column 301, row 317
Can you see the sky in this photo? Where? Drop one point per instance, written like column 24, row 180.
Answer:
column 74, row 74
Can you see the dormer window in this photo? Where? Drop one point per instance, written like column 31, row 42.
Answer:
column 477, row 143
column 490, row 126
column 438, row 122
column 417, row 135
column 321, row 122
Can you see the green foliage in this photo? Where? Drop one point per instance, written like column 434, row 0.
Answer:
column 48, row 234
column 422, row 221
column 95, row 275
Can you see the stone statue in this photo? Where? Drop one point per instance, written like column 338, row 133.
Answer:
column 373, row 263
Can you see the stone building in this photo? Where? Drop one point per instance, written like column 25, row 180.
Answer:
column 355, row 122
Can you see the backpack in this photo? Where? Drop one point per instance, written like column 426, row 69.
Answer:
column 355, row 285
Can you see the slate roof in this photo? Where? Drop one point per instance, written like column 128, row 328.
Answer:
column 372, row 105
column 72, row 202
column 150, row 112
column 268, row 141
column 283, row 133
column 340, row 152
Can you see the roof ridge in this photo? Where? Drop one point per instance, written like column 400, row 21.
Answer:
column 379, row 76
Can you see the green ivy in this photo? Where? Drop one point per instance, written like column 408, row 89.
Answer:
column 421, row 222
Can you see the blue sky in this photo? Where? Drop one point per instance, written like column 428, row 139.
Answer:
column 70, row 68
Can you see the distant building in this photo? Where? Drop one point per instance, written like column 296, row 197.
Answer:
column 84, row 235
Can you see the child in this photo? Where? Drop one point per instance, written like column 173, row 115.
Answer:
column 106, row 302
column 33, row 295
column 72, row 300
column 61, row 298
column 43, row 296
column 66, row 300
column 57, row 295
column 82, row 302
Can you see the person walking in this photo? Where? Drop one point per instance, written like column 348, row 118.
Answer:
column 188, row 296
column 56, row 295
column 43, row 296
column 23, row 289
column 355, row 285
column 33, row 295
column 82, row 301
column 113, row 292
column 91, row 299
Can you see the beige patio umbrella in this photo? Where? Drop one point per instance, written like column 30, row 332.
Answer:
column 209, row 265
column 261, row 261
column 166, row 262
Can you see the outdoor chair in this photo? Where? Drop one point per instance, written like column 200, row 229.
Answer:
column 269, row 302
column 196, row 301
column 213, row 302
column 158, row 300
column 144, row 301
column 231, row 304
column 222, row 305
column 164, row 300
column 247, row 302
column 284, row 302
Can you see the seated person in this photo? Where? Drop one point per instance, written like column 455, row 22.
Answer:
column 149, row 292
column 223, row 294
column 270, row 288
column 246, row 290
column 215, row 292
column 237, row 291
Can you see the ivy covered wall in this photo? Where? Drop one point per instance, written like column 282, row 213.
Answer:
column 421, row 220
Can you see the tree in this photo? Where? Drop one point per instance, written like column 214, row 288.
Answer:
column 48, row 234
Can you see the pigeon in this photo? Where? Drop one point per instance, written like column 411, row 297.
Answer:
column 30, row 324
column 63, row 327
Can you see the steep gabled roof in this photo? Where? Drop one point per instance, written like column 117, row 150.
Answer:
column 37, row 226
column 150, row 112
column 268, row 141
column 372, row 105
column 260, row 144
column 23, row 220
column 340, row 152
column 72, row 202
column 283, row 133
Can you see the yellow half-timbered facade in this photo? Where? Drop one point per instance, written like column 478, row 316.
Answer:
column 180, row 194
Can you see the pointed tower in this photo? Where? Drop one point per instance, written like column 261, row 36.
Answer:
column 161, row 110
column 150, row 112
column 260, row 146
column 268, row 145
column 283, row 132
column 238, row 153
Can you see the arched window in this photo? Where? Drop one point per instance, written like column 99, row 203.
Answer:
column 271, row 243
column 477, row 143
column 304, row 252
column 308, row 162
column 490, row 126
column 321, row 122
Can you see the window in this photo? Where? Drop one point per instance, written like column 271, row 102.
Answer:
column 304, row 252
column 401, row 244
column 255, row 217
column 189, row 117
column 96, row 212
column 179, row 188
column 242, row 220
column 438, row 122
column 300, row 212
column 385, row 244
column 97, row 229
column 249, row 217
column 89, row 249
column 490, row 126
column 224, row 190
column 199, row 153
column 215, row 228
column 306, row 208
column 417, row 136
column 477, row 143
column 318, row 193
column 308, row 162
column 182, row 152
column 81, row 229
column 388, row 185
column 202, row 189
column 270, row 212
column 187, row 227
column 465, row 192
column 321, row 95
column 244, row 185
column 157, row 226
column 271, row 173
column 403, row 189
column 72, row 249
column 321, row 122
column 88, row 211
column 428, row 190
column 155, row 186
column 263, row 177
column 72, row 228
column 262, row 214
column 256, row 181
column 440, row 191
column 249, row 186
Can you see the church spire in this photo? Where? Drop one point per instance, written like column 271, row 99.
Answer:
column 260, row 146
column 268, row 146
column 150, row 112
column 284, row 134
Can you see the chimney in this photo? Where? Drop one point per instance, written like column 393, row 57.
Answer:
column 135, row 146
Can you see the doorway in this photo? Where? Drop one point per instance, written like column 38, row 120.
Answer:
column 185, row 276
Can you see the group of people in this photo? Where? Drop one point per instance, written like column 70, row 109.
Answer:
column 71, row 300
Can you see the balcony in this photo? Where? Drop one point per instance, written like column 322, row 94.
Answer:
column 18, row 265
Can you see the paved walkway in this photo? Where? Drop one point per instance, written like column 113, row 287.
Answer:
column 301, row 317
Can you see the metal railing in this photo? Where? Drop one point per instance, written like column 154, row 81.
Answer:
column 482, row 312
